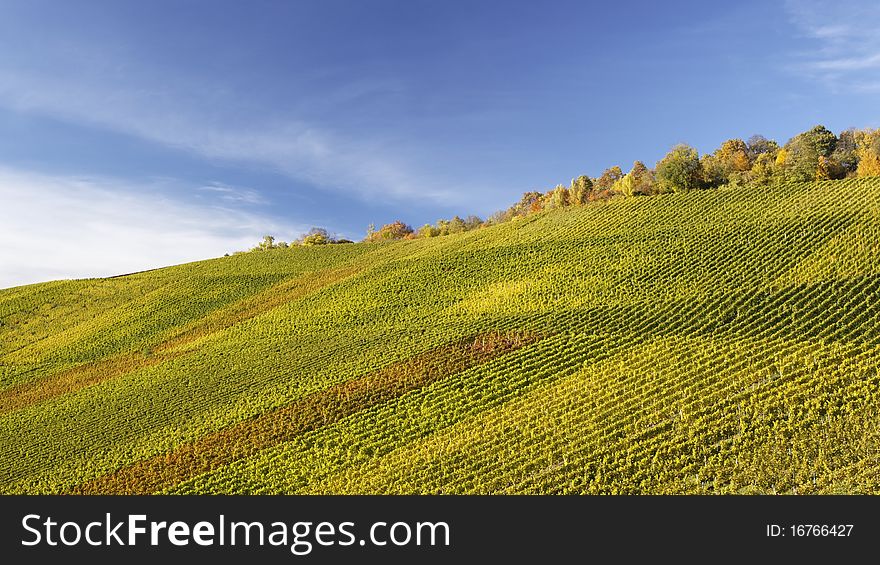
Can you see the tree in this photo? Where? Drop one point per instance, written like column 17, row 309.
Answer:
column 428, row 230
column 500, row 217
column 821, row 138
column 846, row 150
column 679, row 170
column 764, row 171
column 759, row 145
column 623, row 186
column 557, row 198
column 802, row 152
column 609, row 176
column 641, row 180
column 455, row 225
column 638, row 181
column 394, row 230
column 266, row 244
column 527, row 203
column 316, row 236
column 868, row 153
column 472, row 222
column 829, row 169
column 728, row 164
column 579, row 191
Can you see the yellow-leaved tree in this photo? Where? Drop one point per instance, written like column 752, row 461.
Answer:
column 868, row 152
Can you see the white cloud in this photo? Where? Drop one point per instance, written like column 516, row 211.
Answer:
column 846, row 45
column 848, row 63
column 213, row 122
column 55, row 227
column 234, row 194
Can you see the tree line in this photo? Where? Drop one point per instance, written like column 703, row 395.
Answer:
column 315, row 236
column 814, row 155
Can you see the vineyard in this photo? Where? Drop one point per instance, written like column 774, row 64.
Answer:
column 723, row 341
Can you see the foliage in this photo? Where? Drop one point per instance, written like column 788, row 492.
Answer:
column 580, row 190
column 764, row 171
column 557, row 198
column 395, row 230
column 680, row 170
column 829, row 169
column 802, row 153
column 759, row 145
column 846, row 151
column 814, row 155
column 728, row 164
column 316, row 236
column 268, row 243
column 868, row 152
column 639, row 181
column 608, row 178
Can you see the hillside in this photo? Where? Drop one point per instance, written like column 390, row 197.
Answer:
column 717, row 341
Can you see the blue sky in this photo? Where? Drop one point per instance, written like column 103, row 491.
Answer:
column 138, row 134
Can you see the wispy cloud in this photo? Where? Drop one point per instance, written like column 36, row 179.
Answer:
column 845, row 45
column 234, row 194
column 848, row 63
column 57, row 227
column 214, row 122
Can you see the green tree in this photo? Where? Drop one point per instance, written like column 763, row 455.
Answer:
column 266, row 244
column 428, row 230
column 679, row 170
column 456, row 225
column 764, row 171
column 802, row 152
column 846, row 152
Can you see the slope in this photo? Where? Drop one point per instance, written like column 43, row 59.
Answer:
column 715, row 341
